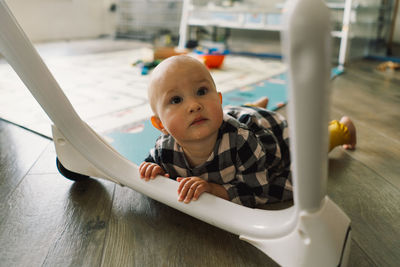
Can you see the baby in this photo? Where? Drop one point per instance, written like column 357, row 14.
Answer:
column 237, row 153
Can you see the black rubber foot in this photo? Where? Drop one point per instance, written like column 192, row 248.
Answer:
column 77, row 177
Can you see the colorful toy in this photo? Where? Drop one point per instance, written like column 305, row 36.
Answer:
column 212, row 58
column 146, row 66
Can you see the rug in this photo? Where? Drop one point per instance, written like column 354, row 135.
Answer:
column 109, row 94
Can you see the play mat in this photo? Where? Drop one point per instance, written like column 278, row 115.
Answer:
column 109, row 94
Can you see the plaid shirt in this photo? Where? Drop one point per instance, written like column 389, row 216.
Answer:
column 251, row 157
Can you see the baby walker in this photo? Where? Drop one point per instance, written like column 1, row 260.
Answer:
column 315, row 230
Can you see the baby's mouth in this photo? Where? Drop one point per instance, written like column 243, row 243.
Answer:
column 197, row 121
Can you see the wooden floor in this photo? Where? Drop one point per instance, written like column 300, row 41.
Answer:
column 47, row 220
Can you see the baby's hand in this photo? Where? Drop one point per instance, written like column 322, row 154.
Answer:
column 149, row 170
column 191, row 188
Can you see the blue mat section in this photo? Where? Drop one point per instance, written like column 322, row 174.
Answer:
column 274, row 88
column 136, row 145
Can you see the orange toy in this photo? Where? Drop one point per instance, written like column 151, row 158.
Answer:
column 212, row 61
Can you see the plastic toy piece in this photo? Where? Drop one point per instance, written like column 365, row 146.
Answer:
column 146, row 66
column 212, row 58
column 314, row 230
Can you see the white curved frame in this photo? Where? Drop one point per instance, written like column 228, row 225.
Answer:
column 314, row 232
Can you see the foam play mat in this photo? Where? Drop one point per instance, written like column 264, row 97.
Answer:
column 110, row 94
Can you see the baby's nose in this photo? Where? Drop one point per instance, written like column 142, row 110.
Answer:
column 194, row 107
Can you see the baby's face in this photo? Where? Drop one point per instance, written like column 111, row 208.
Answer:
column 186, row 100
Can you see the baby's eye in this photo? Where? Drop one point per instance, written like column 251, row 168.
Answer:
column 176, row 100
column 202, row 91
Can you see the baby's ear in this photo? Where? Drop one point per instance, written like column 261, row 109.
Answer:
column 220, row 97
column 158, row 124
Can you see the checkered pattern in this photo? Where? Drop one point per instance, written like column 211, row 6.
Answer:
column 251, row 157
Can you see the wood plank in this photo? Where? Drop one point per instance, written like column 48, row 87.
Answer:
column 80, row 236
column 369, row 97
column 372, row 204
column 19, row 149
column 47, row 162
column 30, row 218
column 358, row 258
column 50, row 221
column 376, row 151
column 143, row 232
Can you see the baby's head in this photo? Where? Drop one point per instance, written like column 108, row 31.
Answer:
column 184, row 99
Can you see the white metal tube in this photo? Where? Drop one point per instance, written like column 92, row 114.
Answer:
column 25, row 60
column 183, row 28
column 344, row 39
column 306, row 45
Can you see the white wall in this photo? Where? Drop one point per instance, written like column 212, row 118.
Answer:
column 46, row 20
